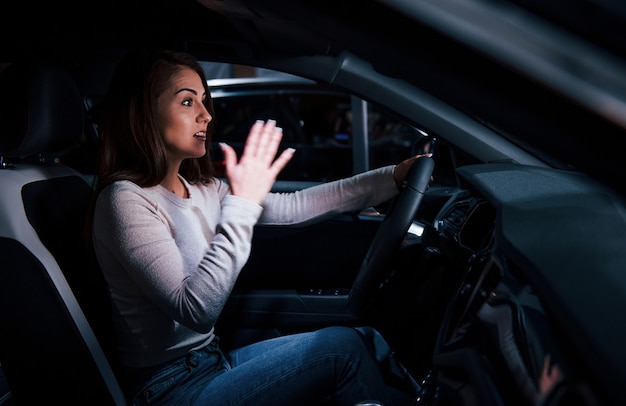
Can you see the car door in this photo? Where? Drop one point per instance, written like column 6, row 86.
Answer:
column 298, row 277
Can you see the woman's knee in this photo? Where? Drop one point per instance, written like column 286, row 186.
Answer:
column 347, row 339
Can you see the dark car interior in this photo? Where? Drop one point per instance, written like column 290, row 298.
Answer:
column 499, row 283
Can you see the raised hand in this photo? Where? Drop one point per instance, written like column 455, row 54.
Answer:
column 254, row 174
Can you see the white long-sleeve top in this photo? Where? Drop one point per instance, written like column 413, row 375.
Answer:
column 171, row 263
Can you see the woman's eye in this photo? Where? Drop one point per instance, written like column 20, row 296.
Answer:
column 187, row 102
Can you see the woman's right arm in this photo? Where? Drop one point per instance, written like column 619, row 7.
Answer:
column 188, row 277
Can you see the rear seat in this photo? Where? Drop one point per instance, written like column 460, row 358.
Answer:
column 54, row 315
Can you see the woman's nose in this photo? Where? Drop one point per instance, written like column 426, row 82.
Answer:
column 204, row 115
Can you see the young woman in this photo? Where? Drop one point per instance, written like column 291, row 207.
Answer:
column 171, row 240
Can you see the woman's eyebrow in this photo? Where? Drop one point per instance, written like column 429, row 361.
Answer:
column 185, row 89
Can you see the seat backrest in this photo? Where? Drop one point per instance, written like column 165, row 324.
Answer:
column 54, row 313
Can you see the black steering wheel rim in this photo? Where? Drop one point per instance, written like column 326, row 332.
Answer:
column 389, row 236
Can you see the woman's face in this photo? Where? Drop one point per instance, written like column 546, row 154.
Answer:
column 183, row 118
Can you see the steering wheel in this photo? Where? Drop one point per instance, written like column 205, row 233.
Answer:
column 389, row 236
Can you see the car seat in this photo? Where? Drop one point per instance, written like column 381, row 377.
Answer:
column 54, row 313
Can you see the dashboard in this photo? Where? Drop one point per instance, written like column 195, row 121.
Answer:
column 506, row 338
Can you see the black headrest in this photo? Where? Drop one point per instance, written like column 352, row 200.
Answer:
column 40, row 110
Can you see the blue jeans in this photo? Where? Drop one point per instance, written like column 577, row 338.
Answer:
column 331, row 366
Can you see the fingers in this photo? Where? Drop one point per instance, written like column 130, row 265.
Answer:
column 270, row 141
column 230, row 156
column 430, row 154
column 263, row 140
column 402, row 169
column 252, row 176
column 254, row 137
column 282, row 160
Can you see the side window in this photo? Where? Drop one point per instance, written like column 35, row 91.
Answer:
column 390, row 139
column 317, row 121
column 311, row 124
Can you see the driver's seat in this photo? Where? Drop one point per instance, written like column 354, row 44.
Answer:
column 52, row 298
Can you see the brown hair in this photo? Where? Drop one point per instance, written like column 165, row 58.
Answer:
column 132, row 146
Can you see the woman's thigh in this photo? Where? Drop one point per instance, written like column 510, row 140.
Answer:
column 329, row 365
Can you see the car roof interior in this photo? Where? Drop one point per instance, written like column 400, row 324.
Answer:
column 326, row 40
